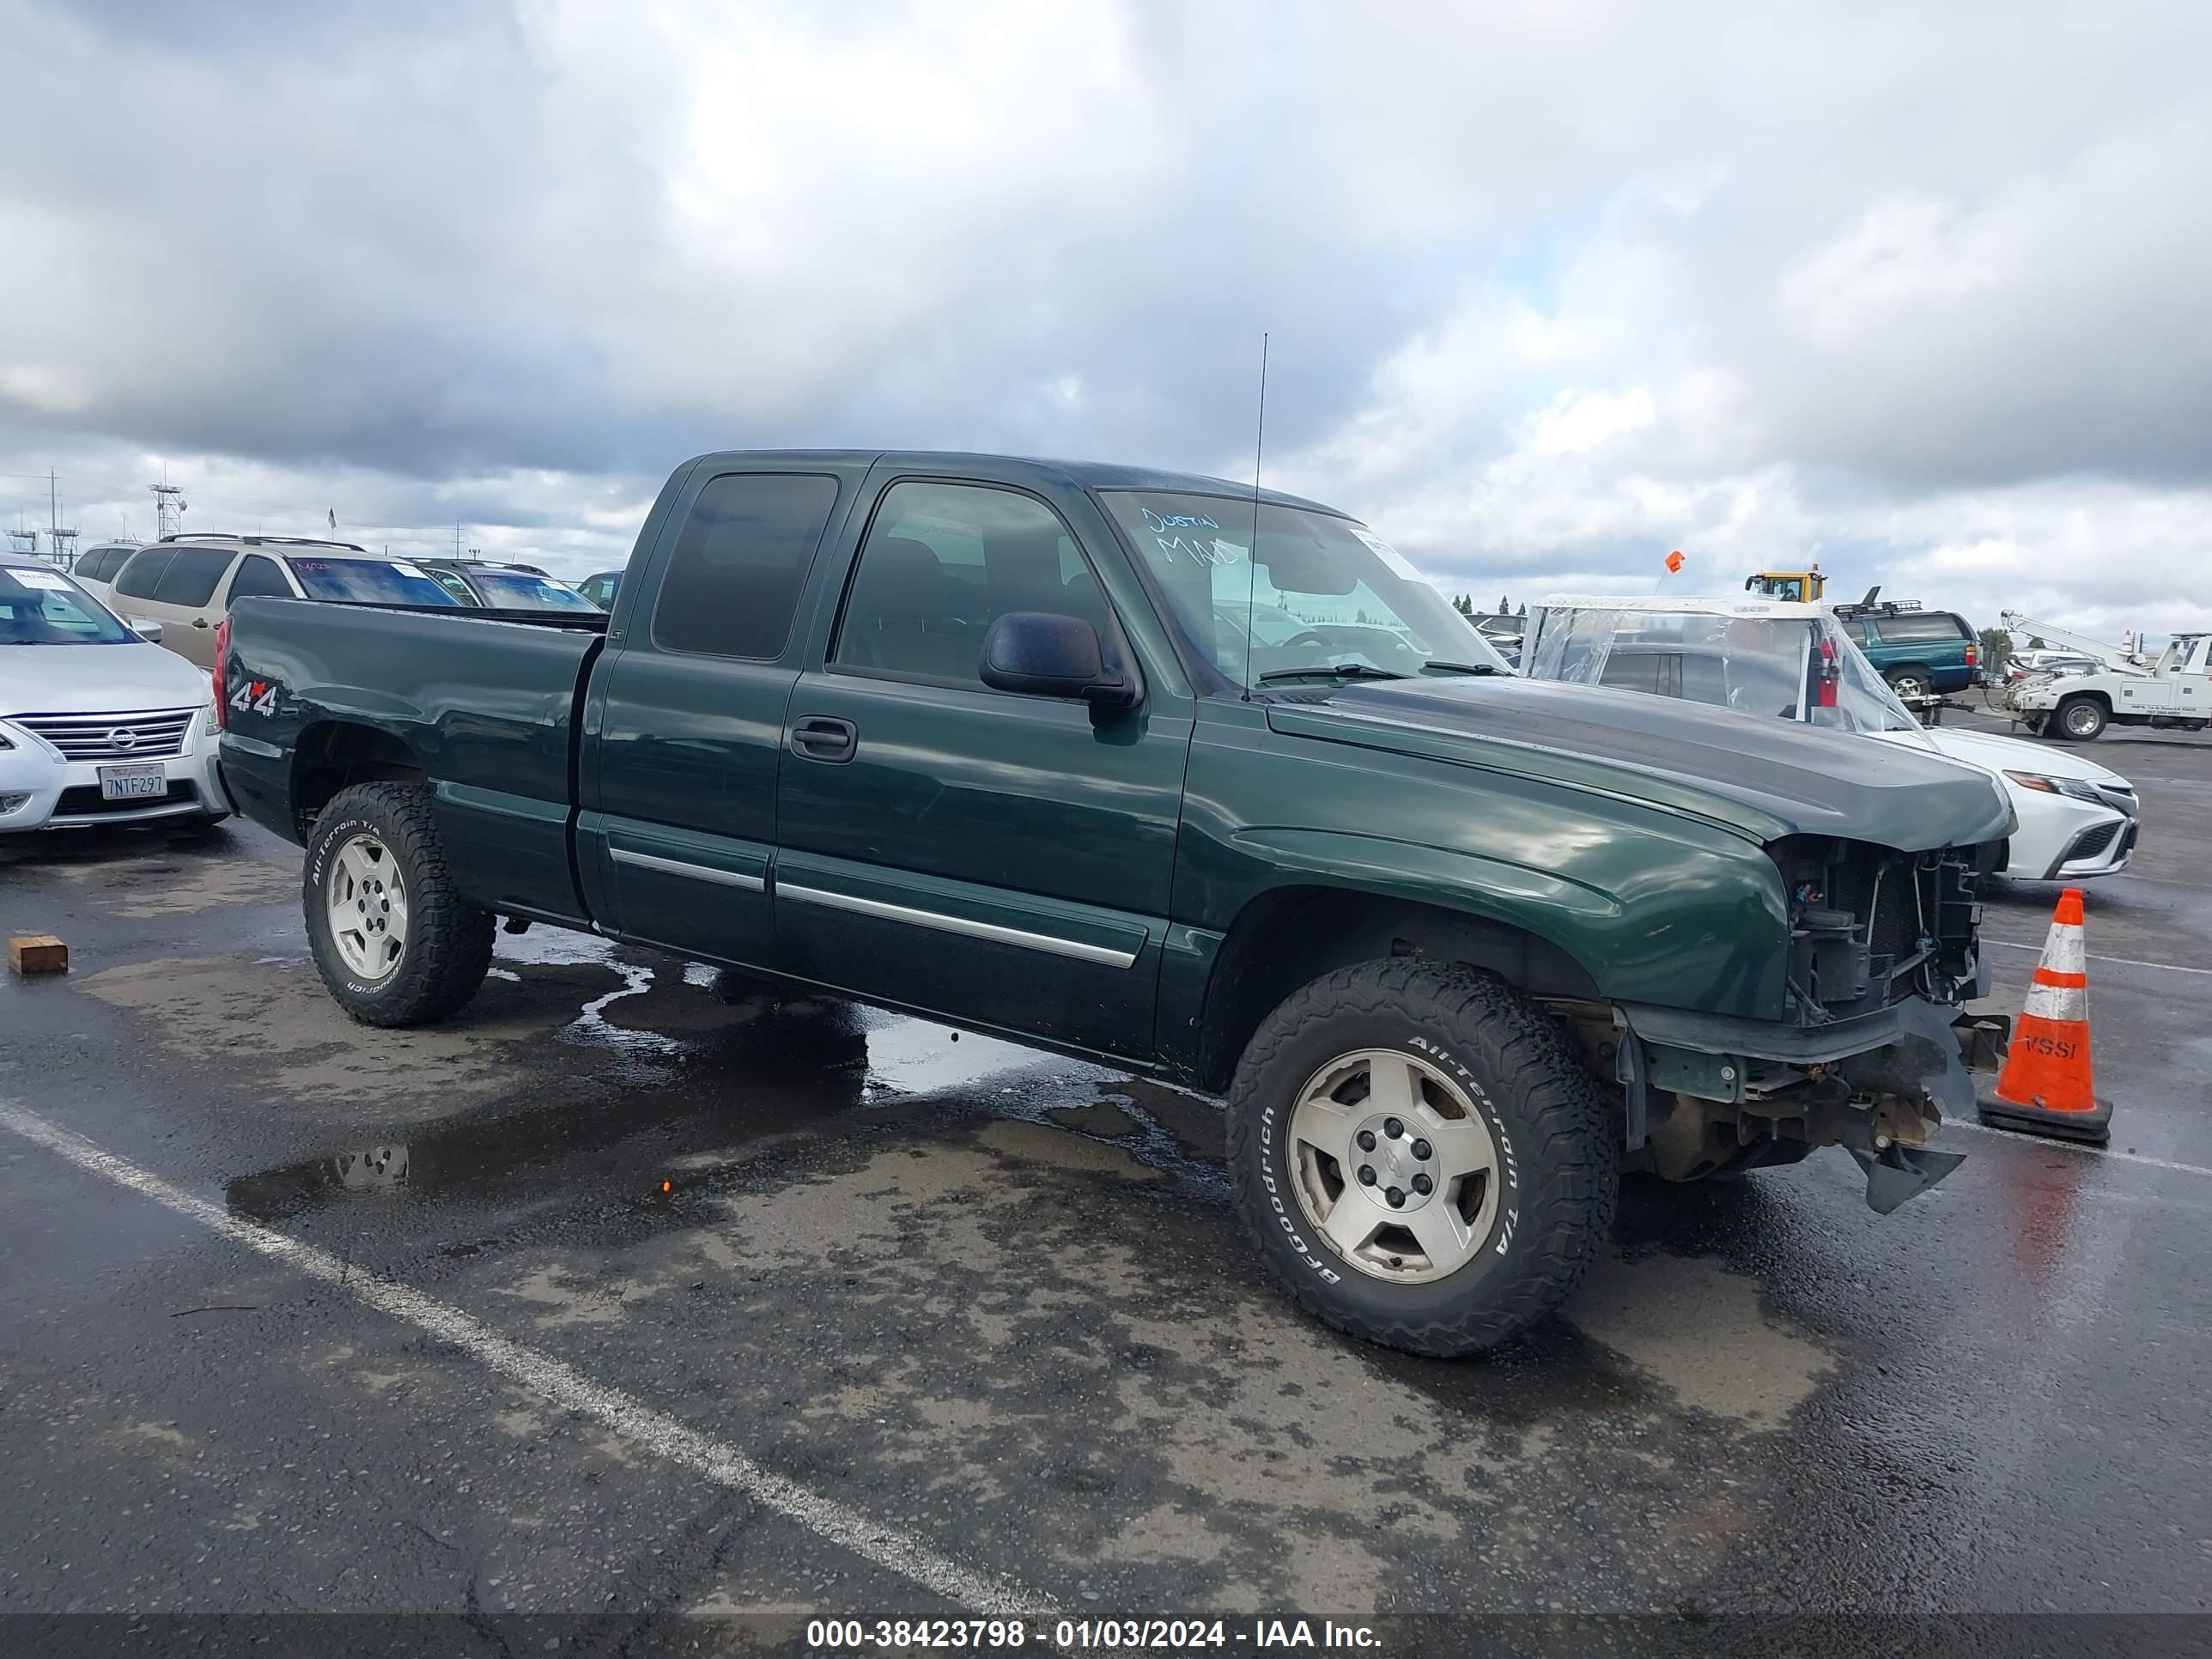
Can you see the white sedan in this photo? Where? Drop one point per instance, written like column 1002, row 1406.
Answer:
column 98, row 725
column 2077, row 819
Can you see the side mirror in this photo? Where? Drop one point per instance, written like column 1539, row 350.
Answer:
column 147, row 629
column 1041, row 654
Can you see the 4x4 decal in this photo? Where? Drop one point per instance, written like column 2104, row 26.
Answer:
column 255, row 696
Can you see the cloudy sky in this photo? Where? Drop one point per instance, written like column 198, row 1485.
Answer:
column 1923, row 293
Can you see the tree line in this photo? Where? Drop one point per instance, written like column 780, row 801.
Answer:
column 1464, row 604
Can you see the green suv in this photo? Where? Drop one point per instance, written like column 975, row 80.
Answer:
column 1922, row 653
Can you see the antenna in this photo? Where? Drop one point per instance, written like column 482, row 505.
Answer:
column 1252, row 555
column 61, row 540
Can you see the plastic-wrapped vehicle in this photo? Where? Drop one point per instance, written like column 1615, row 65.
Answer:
column 1798, row 662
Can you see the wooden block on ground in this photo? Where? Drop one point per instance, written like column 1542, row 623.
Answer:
column 37, row 953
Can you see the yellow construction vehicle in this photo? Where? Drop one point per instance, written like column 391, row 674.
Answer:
column 1798, row 586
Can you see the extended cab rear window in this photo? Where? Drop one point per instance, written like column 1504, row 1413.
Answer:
column 734, row 578
column 369, row 581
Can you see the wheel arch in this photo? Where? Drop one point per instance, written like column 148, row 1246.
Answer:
column 333, row 755
column 1288, row 936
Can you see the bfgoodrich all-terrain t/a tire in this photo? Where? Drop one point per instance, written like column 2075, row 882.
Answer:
column 392, row 937
column 1420, row 1155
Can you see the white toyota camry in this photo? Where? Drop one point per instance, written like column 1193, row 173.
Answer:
column 98, row 724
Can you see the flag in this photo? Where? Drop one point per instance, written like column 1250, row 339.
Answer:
column 334, row 518
column 1674, row 562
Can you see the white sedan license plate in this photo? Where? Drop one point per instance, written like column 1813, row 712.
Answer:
column 133, row 783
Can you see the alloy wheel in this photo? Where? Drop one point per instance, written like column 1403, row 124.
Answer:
column 366, row 902
column 1393, row 1165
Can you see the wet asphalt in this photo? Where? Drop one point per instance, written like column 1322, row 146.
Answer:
column 996, row 1304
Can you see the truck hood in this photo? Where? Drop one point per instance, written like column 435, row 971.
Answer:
column 1766, row 778
column 97, row 679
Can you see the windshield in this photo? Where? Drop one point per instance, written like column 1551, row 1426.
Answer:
column 509, row 591
column 1799, row 668
column 45, row 607
column 1324, row 593
column 369, row 581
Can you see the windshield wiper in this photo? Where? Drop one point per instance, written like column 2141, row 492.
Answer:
column 1346, row 671
column 1463, row 667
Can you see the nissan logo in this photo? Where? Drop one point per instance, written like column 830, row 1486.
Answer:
column 122, row 737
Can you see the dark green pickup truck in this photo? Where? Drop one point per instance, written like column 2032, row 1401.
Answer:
column 1044, row 749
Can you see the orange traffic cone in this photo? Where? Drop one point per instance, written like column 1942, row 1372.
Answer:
column 2047, row 1088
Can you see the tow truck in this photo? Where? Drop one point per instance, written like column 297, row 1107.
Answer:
column 2116, row 658
column 2175, row 691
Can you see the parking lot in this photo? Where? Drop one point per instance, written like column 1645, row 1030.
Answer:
column 631, row 1290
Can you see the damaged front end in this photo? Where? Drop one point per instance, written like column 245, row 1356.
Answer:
column 1875, row 1049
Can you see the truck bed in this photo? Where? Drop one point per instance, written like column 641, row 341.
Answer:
column 485, row 702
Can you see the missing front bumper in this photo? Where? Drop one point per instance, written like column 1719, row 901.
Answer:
column 1759, row 1095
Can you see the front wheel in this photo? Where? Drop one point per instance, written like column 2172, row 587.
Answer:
column 2079, row 719
column 1422, row 1158
column 394, row 940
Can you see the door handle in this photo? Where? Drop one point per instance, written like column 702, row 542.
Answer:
column 823, row 737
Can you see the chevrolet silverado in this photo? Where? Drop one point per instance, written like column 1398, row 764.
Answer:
column 1201, row 781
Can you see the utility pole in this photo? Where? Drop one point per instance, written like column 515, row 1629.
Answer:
column 457, row 539
column 168, row 508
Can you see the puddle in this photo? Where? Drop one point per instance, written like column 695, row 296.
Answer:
column 735, row 1071
column 696, row 1070
column 756, row 1086
column 913, row 1057
column 729, row 1080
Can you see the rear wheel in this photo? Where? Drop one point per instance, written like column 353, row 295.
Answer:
column 1909, row 682
column 394, row 940
column 2079, row 719
column 1420, row 1155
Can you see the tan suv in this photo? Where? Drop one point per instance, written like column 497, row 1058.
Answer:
column 187, row 582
